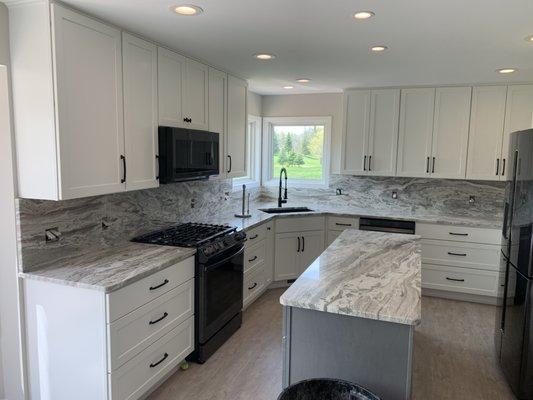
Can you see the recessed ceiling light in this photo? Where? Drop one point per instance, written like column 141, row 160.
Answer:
column 188, row 10
column 303, row 80
column 506, row 70
column 363, row 14
column 288, row 87
column 379, row 48
column 264, row 56
column 529, row 39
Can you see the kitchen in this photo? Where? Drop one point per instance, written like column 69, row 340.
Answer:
column 229, row 224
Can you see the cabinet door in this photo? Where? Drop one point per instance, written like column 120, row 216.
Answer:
column 171, row 72
column 140, row 111
column 450, row 132
column 518, row 115
column 287, row 260
column 217, row 111
column 236, row 133
column 383, row 140
column 332, row 235
column 486, row 133
column 356, row 131
column 312, row 247
column 416, row 129
column 196, row 99
column 90, row 125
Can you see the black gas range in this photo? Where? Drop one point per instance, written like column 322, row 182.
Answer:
column 218, row 279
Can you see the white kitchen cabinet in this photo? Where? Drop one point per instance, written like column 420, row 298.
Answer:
column 312, row 246
column 371, row 132
column 450, row 132
column 196, row 95
column 171, row 75
column 68, row 104
column 236, row 130
column 218, row 87
column 485, row 158
column 140, row 112
column 336, row 225
column 416, row 131
column 518, row 116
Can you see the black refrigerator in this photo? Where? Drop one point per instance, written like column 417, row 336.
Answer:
column 514, row 324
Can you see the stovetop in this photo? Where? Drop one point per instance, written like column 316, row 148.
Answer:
column 185, row 235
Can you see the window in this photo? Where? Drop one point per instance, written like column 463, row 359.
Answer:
column 253, row 155
column 299, row 144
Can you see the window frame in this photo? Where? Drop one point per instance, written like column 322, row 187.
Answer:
column 268, row 123
column 254, row 142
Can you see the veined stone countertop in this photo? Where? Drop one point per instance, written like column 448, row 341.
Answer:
column 363, row 274
column 110, row 268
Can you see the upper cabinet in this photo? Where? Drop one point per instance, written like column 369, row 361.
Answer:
column 183, row 91
column 416, row 132
column 218, row 88
column 485, row 160
column 140, row 112
column 236, row 130
column 371, row 132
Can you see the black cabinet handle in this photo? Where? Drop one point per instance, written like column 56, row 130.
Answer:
column 123, row 158
column 160, row 285
column 158, row 166
column 497, row 166
column 339, row 224
column 458, row 234
column 229, row 168
column 253, row 286
column 427, row 165
column 187, row 120
column 454, row 279
column 370, row 163
column 303, row 243
column 451, row 253
column 503, row 167
column 252, row 259
column 254, row 237
column 433, row 167
column 159, row 319
column 160, row 361
column 298, row 245
column 364, row 163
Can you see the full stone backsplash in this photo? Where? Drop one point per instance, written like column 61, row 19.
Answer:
column 109, row 219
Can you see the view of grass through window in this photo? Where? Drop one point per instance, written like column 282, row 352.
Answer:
column 299, row 148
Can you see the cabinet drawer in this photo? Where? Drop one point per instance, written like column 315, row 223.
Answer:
column 463, row 280
column 458, row 233
column 341, row 223
column 299, row 224
column 133, row 296
column 256, row 234
column 331, row 236
column 134, row 332
column 254, row 255
column 255, row 282
column 140, row 373
column 468, row 255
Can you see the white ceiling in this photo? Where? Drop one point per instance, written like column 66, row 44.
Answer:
column 431, row 41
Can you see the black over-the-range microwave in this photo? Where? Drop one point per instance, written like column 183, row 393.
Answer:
column 187, row 154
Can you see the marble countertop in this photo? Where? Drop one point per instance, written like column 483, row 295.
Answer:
column 110, row 268
column 363, row 274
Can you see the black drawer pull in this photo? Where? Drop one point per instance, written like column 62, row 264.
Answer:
column 458, row 234
column 339, row 224
column 160, row 285
column 457, row 254
column 160, row 361
column 253, row 286
column 454, row 279
column 159, row 319
column 252, row 259
column 254, row 237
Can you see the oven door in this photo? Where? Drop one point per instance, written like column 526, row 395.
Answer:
column 220, row 291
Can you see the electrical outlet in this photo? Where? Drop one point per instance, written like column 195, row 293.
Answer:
column 472, row 199
column 192, row 203
column 52, row 235
column 394, row 195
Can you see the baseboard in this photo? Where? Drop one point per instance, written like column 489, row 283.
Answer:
column 278, row 284
column 472, row 298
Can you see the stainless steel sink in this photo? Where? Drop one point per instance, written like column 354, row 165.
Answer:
column 284, row 210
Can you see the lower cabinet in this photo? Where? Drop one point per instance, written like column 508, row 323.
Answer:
column 337, row 225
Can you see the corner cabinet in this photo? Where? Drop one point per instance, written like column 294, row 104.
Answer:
column 236, row 130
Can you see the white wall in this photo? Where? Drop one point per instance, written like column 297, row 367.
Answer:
column 254, row 103
column 310, row 105
column 11, row 387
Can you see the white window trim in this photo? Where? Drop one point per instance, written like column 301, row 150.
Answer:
column 268, row 180
column 252, row 183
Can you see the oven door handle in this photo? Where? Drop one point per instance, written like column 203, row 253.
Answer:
column 225, row 259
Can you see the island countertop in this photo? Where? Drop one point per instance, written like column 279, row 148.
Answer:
column 363, row 274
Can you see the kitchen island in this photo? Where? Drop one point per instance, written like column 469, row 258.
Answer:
column 351, row 314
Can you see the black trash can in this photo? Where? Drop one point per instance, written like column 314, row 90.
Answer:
column 326, row 389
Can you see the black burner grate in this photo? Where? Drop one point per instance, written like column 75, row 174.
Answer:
column 185, row 235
